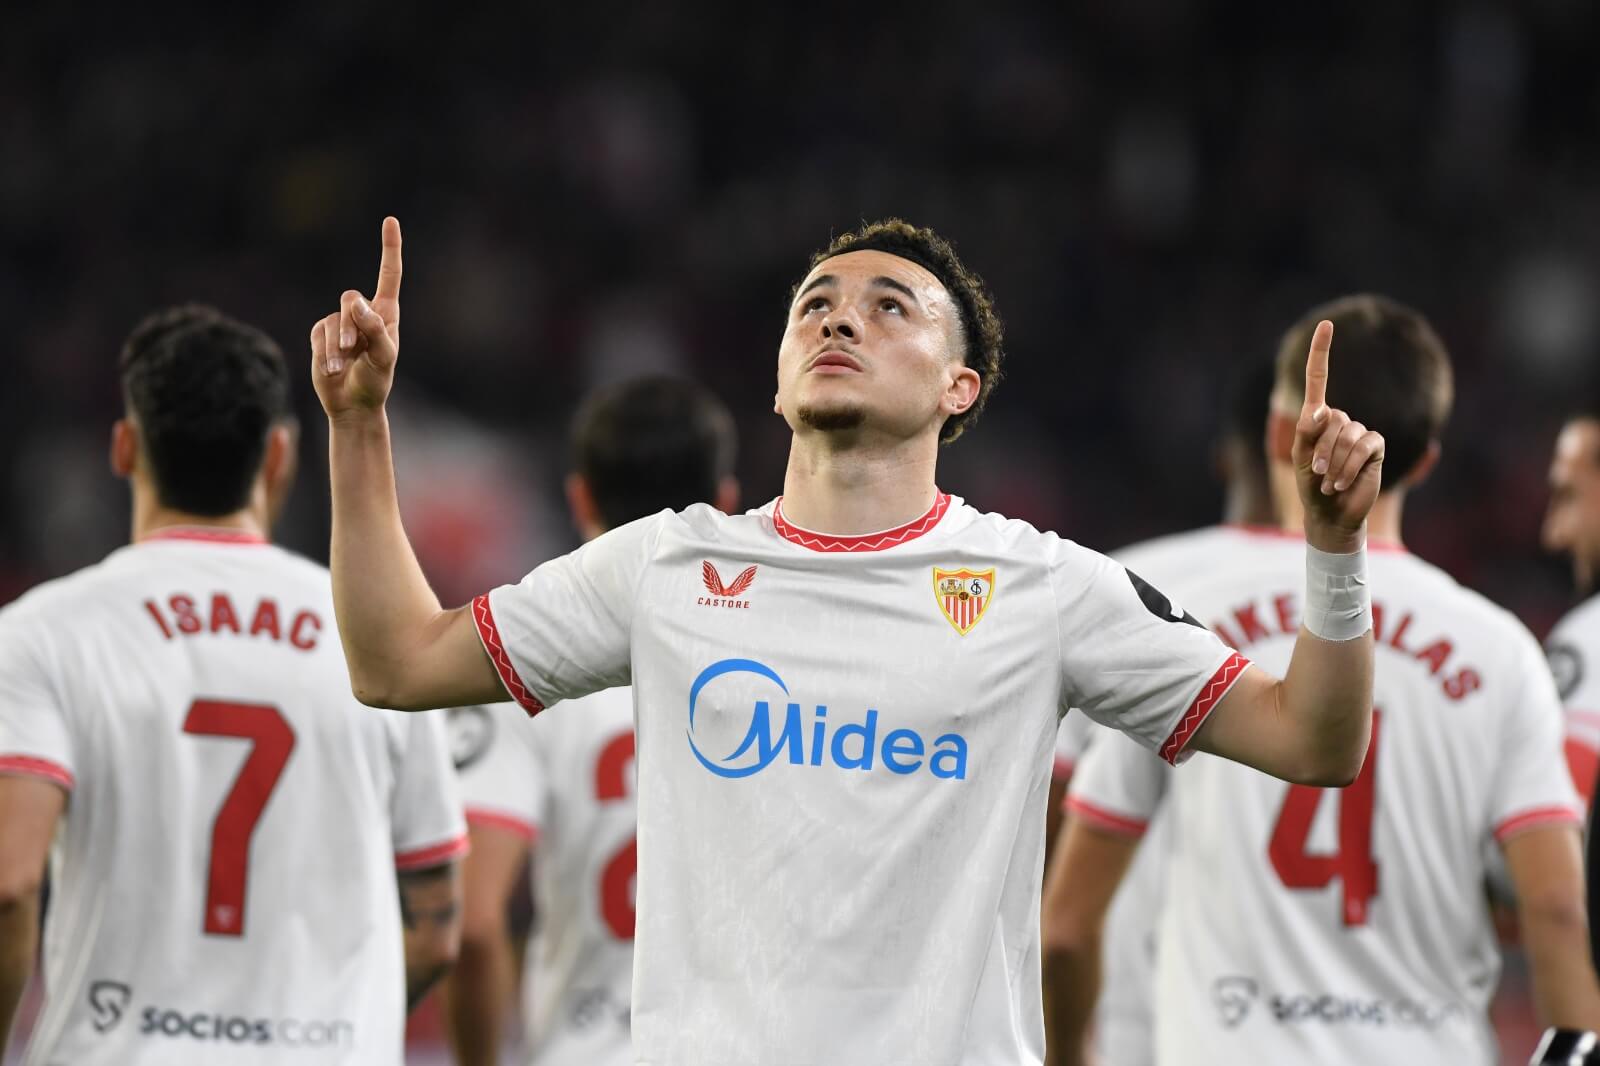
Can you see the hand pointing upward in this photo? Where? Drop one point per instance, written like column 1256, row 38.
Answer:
column 353, row 351
column 1338, row 463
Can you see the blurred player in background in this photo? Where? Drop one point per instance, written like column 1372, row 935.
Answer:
column 845, row 751
column 1310, row 925
column 560, row 789
column 232, row 822
column 1572, row 527
column 1120, row 957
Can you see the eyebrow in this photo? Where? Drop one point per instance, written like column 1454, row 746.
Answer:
column 880, row 281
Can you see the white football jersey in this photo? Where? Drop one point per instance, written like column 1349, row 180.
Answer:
column 223, row 882
column 565, row 782
column 1347, row 925
column 845, row 747
column 1573, row 649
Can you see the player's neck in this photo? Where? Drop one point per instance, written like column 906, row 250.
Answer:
column 850, row 492
column 150, row 517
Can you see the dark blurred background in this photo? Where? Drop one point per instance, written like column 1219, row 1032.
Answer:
column 1153, row 188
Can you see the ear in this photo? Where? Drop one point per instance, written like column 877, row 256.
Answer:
column 280, row 466
column 1422, row 467
column 1280, row 437
column 580, row 501
column 962, row 392
column 727, row 500
column 124, row 447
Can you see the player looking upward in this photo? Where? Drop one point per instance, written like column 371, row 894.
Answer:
column 845, row 753
column 232, row 823
column 560, row 789
column 1109, row 964
column 1317, row 926
column 1572, row 527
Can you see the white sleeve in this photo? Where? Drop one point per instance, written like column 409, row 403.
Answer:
column 1130, row 660
column 1118, row 786
column 564, row 630
column 1570, row 658
column 1532, row 786
column 502, row 780
column 425, row 809
column 34, row 736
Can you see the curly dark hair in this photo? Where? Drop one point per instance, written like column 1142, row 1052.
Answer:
column 205, row 389
column 981, row 331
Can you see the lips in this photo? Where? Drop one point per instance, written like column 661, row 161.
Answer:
column 834, row 361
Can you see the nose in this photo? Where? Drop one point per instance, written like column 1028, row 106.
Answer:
column 840, row 323
column 1555, row 535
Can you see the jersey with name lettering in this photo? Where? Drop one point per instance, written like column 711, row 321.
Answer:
column 1347, row 925
column 1573, row 649
column 565, row 783
column 845, row 747
column 223, row 880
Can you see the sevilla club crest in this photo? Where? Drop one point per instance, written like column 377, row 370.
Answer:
column 963, row 595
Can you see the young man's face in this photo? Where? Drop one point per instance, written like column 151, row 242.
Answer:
column 1572, row 521
column 872, row 344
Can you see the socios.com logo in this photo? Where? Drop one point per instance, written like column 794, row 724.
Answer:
column 852, row 746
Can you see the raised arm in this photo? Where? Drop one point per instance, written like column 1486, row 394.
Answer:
column 404, row 651
column 1313, row 726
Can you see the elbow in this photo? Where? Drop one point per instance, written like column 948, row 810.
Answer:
column 1329, row 773
column 1559, row 912
column 1069, row 936
column 19, row 887
column 381, row 692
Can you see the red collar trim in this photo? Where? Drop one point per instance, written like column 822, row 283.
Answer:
column 206, row 534
column 871, row 542
column 1284, row 534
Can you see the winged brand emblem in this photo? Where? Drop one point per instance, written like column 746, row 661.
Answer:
column 714, row 585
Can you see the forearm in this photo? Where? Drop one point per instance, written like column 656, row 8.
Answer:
column 477, row 996
column 1565, row 990
column 19, row 944
column 1326, row 697
column 1071, row 989
column 385, row 606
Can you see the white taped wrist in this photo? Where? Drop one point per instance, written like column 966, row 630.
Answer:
column 1338, row 602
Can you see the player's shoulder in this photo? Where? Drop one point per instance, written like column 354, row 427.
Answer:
column 997, row 534
column 1470, row 611
column 1213, row 545
column 61, row 597
column 1580, row 626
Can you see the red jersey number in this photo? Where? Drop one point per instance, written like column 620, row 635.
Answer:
column 228, row 871
column 618, row 874
column 1353, row 864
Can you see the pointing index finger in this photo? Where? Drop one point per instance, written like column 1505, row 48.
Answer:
column 1317, row 367
column 389, row 265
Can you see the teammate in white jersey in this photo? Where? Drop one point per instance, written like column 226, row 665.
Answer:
column 231, row 822
column 1107, row 959
column 1314, row 926
column 1572, row 527
column 560, row 789
column 844, row 754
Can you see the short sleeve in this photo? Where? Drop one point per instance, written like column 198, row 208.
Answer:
column 563, row 631
column 503, row 783
column 1570, row 659
column 1118, row 785
column 1532, row 786
column 1130, row 659
column 34, row 736
column 426, row 818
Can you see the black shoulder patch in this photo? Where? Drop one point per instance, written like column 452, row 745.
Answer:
column 471, row 732
column 1566, row 663
column 1156, row 602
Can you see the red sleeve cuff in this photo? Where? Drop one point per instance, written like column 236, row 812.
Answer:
column 432, row 855
column 483, row 617
column 29, row 766
column 1109, row 821
column 1536, row 818
column 1211, row 694
column 477, row 816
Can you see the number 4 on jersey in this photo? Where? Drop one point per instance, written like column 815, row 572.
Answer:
column 228, row 870
column 1353, row 864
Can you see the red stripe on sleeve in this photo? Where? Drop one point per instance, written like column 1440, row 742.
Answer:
column 477, row 816
column 1211, row 694
column 1535, row 818
column 483, row 617
column 433, row 855
column 29, row 766
column 1110, row 821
